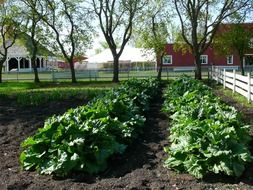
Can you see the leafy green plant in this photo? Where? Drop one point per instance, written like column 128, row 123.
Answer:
column 206, row 135
column 83, row 139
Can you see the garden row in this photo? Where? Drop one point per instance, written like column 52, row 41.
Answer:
column 37, row 97
column 84, row 138
column 206, row 136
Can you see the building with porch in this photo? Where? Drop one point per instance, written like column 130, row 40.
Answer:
column 19, row 57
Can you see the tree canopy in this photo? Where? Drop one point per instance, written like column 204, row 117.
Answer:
column 152, row 32
column 200, row 19
column 67, row 26
column 116, row 21
column 10, row 22
column 234, row 38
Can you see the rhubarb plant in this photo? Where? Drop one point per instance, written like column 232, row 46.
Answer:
column 206, row 134
column 84, row 138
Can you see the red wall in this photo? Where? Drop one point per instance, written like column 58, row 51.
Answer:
column 180, row 59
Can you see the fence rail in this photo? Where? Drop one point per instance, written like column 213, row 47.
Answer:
column 102, row 74
column 234, row 81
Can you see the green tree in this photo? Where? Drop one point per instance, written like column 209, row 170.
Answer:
column 152, row 32
column 33, row 29
column 69, row 21
column 116, row 20
column 104, row 45
column 200, row 19
column 233, row 38
column 10, row 21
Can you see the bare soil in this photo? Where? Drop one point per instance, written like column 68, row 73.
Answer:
column 140, row 167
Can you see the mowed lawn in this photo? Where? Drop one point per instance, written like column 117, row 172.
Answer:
column 29, row 93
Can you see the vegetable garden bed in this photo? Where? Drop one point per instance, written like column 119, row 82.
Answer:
column 140, row 167
column 207, row 136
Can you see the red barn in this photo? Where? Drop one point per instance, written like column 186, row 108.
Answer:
column 180, row 60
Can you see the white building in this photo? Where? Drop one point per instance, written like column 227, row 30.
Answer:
column 130, row 58
column 19, row 59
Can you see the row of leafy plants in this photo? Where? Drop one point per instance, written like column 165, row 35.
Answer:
column 207, row 136
column 84, row 138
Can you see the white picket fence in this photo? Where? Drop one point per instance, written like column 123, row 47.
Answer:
column 236, row 82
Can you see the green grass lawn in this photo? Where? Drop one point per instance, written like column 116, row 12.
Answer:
column 29, row 93
column 237, row 97
column 229, row 93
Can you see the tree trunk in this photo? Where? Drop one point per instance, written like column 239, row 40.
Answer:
column 160, row 65
column 72, row 69
column 198, row 73
column 241, row 65
column 1, row 69
column 35, row 70
column 115, row 69
column 1, row 66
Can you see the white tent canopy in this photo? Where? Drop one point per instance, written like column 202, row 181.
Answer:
column 129, row 54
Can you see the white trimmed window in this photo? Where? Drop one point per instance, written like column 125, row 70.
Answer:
column 230, row 59
column 167, row 60
column 203, row 59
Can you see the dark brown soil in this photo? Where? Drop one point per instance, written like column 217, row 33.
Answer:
column 140, row 167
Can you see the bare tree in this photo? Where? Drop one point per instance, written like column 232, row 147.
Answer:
column 116, row 20
column 9, row 29
column 200, row 20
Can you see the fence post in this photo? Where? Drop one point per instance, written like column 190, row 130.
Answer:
column 224, row 78
column 53, row 77
column 96, row 76
column 234, row 80
column 249, row 87
column 208, row 74
column 217, row 74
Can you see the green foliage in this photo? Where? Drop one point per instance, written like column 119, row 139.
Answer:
column 78, row 32
column 10, row 21
column 180, row 45
column 152, row 32
column 206, row 135
column 31, row 94
column 83, row 139
column 34, row 98
column 235, row 37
